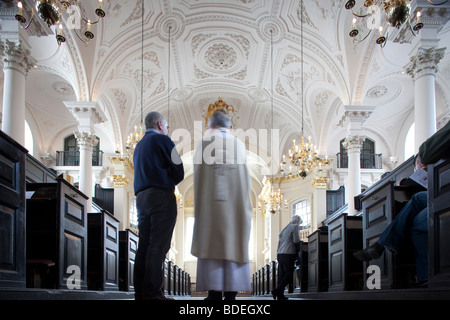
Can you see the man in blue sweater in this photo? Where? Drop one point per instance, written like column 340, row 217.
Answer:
column 157, row 170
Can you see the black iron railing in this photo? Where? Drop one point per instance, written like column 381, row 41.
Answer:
column 72, row 158
column 367, row 161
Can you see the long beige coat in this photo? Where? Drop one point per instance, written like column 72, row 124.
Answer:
column 222, row 204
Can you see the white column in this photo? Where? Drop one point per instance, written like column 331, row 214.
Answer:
column 17, row 62
column 319, row 206
column 353, row 144
column 353, row 118
column 86, row 142
column 87, row 114
column 422, row 68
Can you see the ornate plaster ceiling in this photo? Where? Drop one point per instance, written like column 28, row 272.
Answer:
column 222, row 49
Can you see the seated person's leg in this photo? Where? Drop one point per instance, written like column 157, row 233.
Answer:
column 419, row 237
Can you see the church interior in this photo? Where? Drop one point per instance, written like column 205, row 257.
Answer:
column 331, row 108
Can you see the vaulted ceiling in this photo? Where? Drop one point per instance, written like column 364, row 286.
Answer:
column 223, row 49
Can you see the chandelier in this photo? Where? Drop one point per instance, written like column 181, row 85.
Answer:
column 396, row 13
column 303, row 158
column 272, row 199
column 51, row 12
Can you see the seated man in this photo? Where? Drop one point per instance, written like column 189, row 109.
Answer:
column 410, row 221
column 413, row 218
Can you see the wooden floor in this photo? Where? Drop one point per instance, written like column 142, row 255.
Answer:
column 397, row 294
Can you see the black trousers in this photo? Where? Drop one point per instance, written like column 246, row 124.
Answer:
column 157, row 214
column 286, row 266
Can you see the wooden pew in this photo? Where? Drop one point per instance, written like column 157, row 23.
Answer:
column 273, row 276
column 103, row 252
column 176, row 280
column 12, row 213
column 439, row 224
column 57, row 231
column 318, row 260
column 166, row 277
column 128, row 244
column 301, row 267
column 344, row 238
column 171, row 278
column 36, row 172
column 380, row 205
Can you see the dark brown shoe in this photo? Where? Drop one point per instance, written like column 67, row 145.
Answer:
column 370, row 253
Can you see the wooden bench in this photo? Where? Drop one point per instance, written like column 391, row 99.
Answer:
column 57, row 230
column 12, row 213
column 103, row 252
column 439, row 224
column 128, row 244
column 379, row 207
column 344, row 238
column 318, row 260
column 301, row 267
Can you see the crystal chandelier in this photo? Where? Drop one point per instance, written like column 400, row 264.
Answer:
column 396, row 13
column 272, row 199
column 51, row 12
column 303, row 158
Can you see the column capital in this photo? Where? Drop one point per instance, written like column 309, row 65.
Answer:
column 87, row 113
column 86, row 140
column 15, row 56
column 425, row 62
column 353, row 117
column 353, row 142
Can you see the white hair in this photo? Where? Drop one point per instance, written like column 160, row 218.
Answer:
column 296, row 219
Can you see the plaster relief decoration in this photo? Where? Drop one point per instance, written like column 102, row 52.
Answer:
column 173, row 23
column 153, row 76
column 220, row 55
column 377, row 92
column 290, row 76
column 121, row 99
column 63, row 88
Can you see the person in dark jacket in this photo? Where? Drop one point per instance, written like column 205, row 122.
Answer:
column 412, row 220
column 287, row 252
column 157, row 170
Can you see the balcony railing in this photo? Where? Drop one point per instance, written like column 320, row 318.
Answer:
column 367, row 161
column 72, row 158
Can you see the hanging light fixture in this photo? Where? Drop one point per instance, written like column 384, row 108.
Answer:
column 51, row 12
column 303, row 158
column 396, row 12
column 271, row 199
column 137, row 135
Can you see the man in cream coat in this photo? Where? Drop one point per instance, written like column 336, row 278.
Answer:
column 223, row 211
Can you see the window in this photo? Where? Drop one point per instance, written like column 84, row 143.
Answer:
column 71, row 154
column 302, row 208
column 368, row 158
column 133, row 213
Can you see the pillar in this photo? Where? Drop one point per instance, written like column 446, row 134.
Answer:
column 319, row 204
column 422, row 68
column 87, row 114
column 353, row 144
column 17, row 63
column 353, row 119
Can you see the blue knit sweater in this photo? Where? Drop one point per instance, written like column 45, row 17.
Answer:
column 156, row 163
